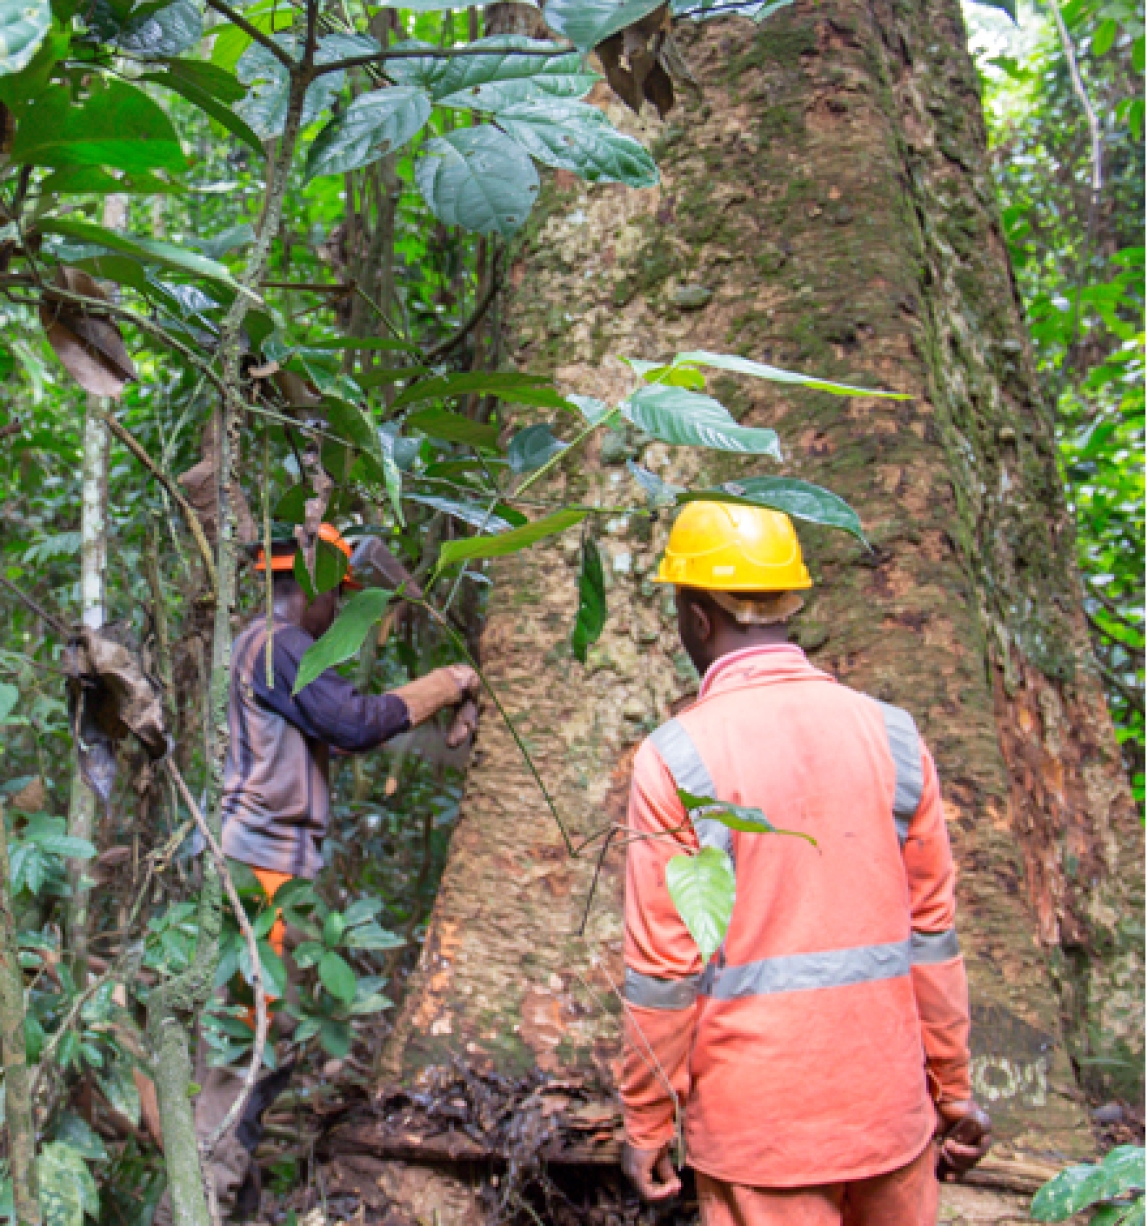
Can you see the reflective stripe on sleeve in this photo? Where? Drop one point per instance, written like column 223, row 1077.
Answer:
column 649, row 993
column 833, row 968
column 927, row 948
column 691, row 774
column 905, row 748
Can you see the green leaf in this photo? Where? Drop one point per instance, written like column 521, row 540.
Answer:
column 23, row 24
column 67, row 1189
column 350, row 422
column 333, row 928
column 453, row 427
column 533, row 390
column 17, row 88
column 686, row 418
column 209, row 104
column 703, row 10
column 578, row 137
column 337, row 977
column 345, row 637
column 308, row 954
column 265, row 107
column 797, row 498
column 509, row 542
column 702, row 888
column 658, row 493
column 156, row 33
column 208, row 77
column 591, row 618
column 93, row 181
column 230, row 42
column 743, row 366
column 362, row 910
column 335, row 1037
column 491, row 82
column 148, row 249
column 596, row 412
column 479, row 179
column 1078, row 1187
column 532, row 447
column 119, row 1088
column 372, row 126
column 1104, row 37
column 79, row 1134
column 428, row 6
column 744, row 818
column 116, row 125
column 9, row 697
column 478, row 516
column 374, row 937
column 586, row 23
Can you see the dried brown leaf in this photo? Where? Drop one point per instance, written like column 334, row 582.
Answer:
column 87, row 342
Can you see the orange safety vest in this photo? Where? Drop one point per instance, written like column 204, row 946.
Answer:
column 800, row 1054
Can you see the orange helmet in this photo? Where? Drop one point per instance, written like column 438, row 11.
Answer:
column 286, row 561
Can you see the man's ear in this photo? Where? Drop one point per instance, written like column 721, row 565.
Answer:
column 702, row 621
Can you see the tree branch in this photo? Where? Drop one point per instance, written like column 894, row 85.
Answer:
column 38, row 609
column 255, row 34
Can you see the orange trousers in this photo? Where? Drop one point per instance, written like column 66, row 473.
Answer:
column 909, row 1196
column 271, row 883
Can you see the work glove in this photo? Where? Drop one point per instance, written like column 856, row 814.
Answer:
column 964, row 1134
column 652, row 1172
column 444, row 687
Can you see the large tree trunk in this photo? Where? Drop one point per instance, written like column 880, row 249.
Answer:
column 825, row 206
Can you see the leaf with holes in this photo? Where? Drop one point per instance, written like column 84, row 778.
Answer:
column 509, row 542
column 586, row 23
column 23, row 24
column 115, row 125
column 591, row 618
column 702, row 889
column 345, row 637
column 759, row 370
column 479, row 179
column 372, row 126
column 799, row 499
column 578, row 137
column 683, row 418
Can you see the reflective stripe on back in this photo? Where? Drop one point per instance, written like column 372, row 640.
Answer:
column 691, row 774
column 834, row 968
column 647, row 992
column 928, row 948
column 905, row 749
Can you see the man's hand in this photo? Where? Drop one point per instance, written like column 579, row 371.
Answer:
column 651, row 1172
column 465, row 678
column 965, row 1133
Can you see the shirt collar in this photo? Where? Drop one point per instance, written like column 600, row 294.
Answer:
column 756, row 665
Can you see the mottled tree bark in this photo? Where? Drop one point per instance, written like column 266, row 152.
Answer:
column 825, row 206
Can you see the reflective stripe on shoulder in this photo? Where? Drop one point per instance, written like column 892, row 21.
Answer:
column 905, row 749
column 927, row 948
column 833, row 968
column 647, row 992
column 691, row 774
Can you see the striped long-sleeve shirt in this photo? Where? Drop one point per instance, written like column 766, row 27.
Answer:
column 276, row 794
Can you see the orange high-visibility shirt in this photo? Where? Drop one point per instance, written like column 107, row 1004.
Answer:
column 803, row 1054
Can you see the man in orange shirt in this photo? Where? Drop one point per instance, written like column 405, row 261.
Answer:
column 820, row 1060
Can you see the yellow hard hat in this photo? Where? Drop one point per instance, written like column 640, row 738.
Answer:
column 722, row 547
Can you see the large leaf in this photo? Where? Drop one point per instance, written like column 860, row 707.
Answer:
column 479, row 179
column 797, row 498
column 350, row 422
column 208, row 77
column 509, row 542
column 23, row 24
column 372, row 126
column 345, row 637
column 1078, row 1187
column 586, row 23
column 491, row 82
column 532, row 447
column 591, row 618
column 703, row 10
column 534, row 390
column 148, row 249
column 67, row 1189
column 157, row 33
column 575, row 136
column 9, row 697
column 702, row 888
column 116, row 125
column 453, row 427
column 265, row 107
column 480, row 517
column 686, row 418
column 207, row 102
column 743, row 366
